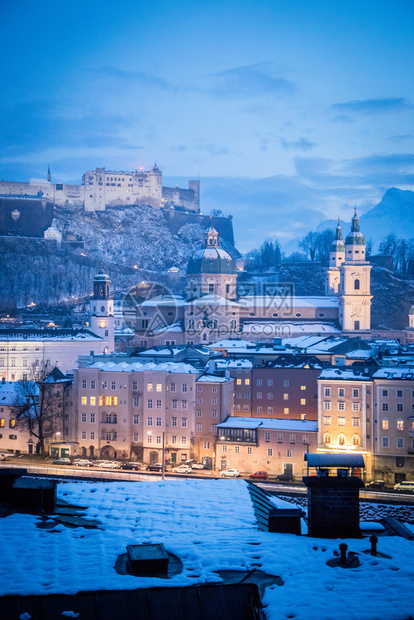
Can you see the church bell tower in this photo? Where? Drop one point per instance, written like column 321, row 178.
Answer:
column 102, row 310
column 355, row 283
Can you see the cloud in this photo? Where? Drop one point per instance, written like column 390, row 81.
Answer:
column 342, row 118
column 372, row 106
column 251, row 81
column 401, row 138
column 132, row 77
column 301, row 145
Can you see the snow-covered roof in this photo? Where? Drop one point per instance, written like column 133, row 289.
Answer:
column 164, row 300
column 213, row 379
column 9, row 392
column 288, row 302
column 268, row 328
column 56, row 334
column 212, row 300
column 395, row 372
column 226, row 363
column 359, row 354
column 212, row 527
column 230, row 344
column 342, row 374
column 141, row 367
column 269, row 423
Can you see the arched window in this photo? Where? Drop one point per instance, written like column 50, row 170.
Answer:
column 341, row 440
column 356, row 285
column 204, row 336
column 356, row 440
column 327, row 438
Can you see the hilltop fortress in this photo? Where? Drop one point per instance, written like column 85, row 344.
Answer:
column 101, row 188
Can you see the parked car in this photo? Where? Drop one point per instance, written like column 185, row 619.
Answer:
column 376, row 484
column 131, row 466
column 62, row 461
column 230, row 473
column 197, row 466
column 285, row 477
column 83, row 463
column 108, row 465
column 405, row 487
column 154, row 467
column 182, row 469
column 259, row 474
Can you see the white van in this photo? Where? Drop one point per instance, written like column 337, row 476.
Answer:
column 405, row 487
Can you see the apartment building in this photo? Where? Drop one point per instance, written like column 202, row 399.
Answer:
column 392, row 422
column 263, row 444
column 134, row 410
column 345, row 412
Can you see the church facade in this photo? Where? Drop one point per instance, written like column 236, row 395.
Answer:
column 215, row 307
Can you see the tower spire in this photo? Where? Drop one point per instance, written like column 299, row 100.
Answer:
column 49, row 176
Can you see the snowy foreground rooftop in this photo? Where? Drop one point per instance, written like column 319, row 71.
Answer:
column 210, row 526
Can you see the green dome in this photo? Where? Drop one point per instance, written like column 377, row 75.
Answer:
column 355, row 237
column 211, row 260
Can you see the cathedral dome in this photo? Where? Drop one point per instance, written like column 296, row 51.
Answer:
column 211, row 259
column 355, row 237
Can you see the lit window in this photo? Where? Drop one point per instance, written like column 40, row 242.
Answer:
column 303, row 401
column 400, row 425
column 385, row 424
column 355, row 440
column 159, row 387
column 341, row 440
column 285, row 396
column 303, row 387
column 84, row 400
column 341, row 421
column 247, row 382
column 149, row 387
column 327, row 438
column 286, row 411
column 239, row 381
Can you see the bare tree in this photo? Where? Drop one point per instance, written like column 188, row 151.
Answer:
column 309, row 243
column 40, row 403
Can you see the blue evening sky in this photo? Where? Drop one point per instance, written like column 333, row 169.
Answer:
column 289, row 111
